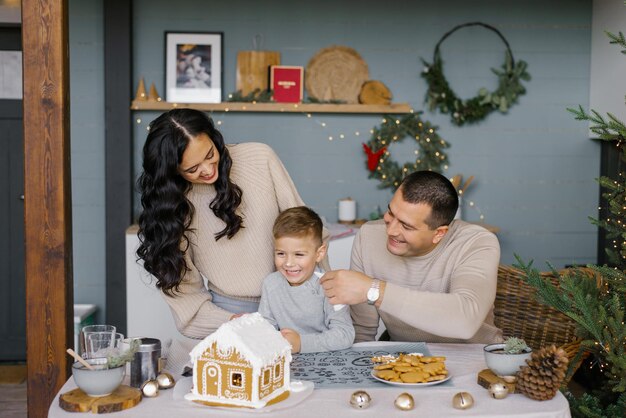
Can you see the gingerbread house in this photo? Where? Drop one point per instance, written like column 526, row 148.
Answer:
column 244, row 363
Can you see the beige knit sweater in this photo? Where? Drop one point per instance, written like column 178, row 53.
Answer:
column 446, row 295
column 233, row 267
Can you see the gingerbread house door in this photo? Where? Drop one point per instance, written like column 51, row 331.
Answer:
column 212, row 379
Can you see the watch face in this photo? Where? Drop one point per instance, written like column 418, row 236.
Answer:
column 372, row 295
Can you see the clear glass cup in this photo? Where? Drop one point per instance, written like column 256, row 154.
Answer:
column 104, row 344
column 89, row 329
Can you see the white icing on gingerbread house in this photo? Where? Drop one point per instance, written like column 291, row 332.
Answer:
column 244, row 363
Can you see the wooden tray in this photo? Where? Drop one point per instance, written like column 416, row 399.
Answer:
column 124, row 397
column 336, row 73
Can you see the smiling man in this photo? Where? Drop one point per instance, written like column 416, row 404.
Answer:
column 429, row 277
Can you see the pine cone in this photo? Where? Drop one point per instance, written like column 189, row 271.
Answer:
column 543, row 376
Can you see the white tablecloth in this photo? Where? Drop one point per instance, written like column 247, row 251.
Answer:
column 464, row 361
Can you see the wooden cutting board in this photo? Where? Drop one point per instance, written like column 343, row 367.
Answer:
column 124, row 397
column 253, row 69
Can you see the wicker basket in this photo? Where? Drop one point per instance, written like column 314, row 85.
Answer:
column 518, row 313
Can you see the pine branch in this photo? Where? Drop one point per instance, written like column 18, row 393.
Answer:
column 617, row 39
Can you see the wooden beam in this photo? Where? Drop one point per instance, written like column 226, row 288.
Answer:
column 47, row 204
column 118, row 153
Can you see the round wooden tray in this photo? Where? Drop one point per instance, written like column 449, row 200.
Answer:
column 124, row 397
column 336, row 73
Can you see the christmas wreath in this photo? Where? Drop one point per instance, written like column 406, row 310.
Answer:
column 429, row 154
column 441, row 96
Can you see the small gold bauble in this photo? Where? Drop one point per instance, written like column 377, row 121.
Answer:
column 360, row 399
column 404, row 402
column 509, row 379
column 150, row 388
column 462, row 400
column 498, row 390
column 165, row 380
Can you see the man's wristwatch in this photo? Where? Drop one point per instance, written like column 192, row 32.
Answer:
column 374, row 292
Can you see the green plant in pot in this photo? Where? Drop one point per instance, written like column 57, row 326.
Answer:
column 505, row 359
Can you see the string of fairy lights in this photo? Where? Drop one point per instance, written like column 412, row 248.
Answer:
column 220, row 119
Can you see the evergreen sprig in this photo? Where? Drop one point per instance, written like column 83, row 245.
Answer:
column 597, row 304
column 125, row 356
column 257, row 95
column 590, row 406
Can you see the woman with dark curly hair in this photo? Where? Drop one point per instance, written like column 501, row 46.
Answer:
column 208, row 211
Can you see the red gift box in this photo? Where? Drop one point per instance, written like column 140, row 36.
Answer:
column 287, row 83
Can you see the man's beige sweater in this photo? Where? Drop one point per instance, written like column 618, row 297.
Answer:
column 446, row 295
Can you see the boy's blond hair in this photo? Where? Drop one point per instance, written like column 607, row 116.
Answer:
column 298, row 221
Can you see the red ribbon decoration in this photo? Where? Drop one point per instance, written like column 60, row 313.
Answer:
column 373, row 157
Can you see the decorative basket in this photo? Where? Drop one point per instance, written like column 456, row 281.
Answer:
column 518, row 314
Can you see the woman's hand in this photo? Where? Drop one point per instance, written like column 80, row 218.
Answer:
column 293, row 337
column 236, row 316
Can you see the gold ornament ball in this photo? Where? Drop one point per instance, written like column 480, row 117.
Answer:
column 165, row 380
column 498, row 390
column 150, row 388
column 404, row 402
column 462, row 400
column 360, row 399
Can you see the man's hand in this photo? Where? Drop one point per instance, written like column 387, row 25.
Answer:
column 346, row 286
column 293, row 337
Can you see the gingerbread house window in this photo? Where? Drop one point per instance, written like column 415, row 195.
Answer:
column 277, row 371
column 266, row 376
column 236, row 380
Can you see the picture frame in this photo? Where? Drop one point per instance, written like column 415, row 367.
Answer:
column 194, row 67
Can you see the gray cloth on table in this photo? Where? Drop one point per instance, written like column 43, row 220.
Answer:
column 306, row 310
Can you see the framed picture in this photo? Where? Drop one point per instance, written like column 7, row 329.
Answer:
column 193, row 67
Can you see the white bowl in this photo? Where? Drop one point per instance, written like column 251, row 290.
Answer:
column 504, row 364
column 98, row 382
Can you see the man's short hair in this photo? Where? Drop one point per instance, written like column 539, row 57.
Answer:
column 435, row 190
column 298, row 221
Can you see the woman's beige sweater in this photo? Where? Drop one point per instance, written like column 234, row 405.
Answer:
column 233, row 267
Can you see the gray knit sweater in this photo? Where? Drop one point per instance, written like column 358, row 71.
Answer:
column 306, row 310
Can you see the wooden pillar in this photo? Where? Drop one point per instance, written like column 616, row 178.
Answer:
column 47, row 203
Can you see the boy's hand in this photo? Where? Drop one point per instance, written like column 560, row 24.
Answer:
column 293, row 337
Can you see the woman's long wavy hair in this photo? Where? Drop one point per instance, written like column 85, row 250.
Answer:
column 165, row 222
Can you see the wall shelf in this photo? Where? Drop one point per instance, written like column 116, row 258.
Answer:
column 395, row 108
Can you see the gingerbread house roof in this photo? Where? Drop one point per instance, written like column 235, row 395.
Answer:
column 255, row 339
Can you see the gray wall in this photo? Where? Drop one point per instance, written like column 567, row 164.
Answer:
column 87, row 151
column 534, row 167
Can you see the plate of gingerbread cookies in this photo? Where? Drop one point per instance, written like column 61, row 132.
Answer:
column 412, row 370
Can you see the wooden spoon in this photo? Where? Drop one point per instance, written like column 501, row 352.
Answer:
column 79, row 359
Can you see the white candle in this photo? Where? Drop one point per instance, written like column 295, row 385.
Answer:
column 347, row 210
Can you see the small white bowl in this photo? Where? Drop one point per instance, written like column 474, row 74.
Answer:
column 504, row 364
column 98, row 382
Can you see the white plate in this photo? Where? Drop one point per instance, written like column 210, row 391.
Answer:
column 410, row 385
column 300, row 390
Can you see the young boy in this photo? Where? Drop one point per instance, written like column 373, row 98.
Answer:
column 292, row 298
